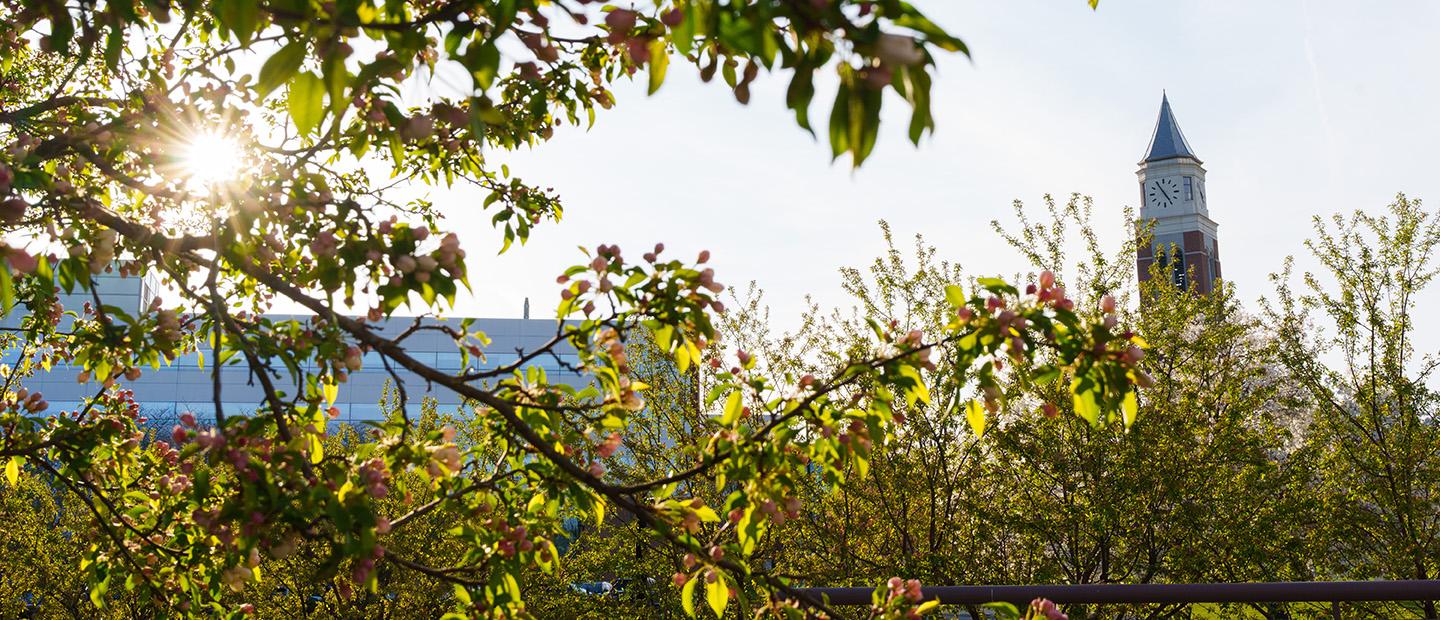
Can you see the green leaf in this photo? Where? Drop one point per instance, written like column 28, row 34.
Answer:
column 663, row 336
column 7, row 290
column 317, row 450
column 62, row 29
column 547, row 565
column 1129, row 407
column 483, row 63
column 917, row 390
column 934, row 34
column 687, row 597
column 279, row 68
column 1045, row 374
column 707, row 514
column 864, row 124
column 12, row 469
column 734, row 405
column 799, row 94
column 242, row 17
column 955, row 295
column 332, row 391
column 536, row 504
column 98, row 588
column 717, row 595
column 512, row 586
column 919, row 97
column 659, row 62
column 202, row 483
column 598, row 507
column 840, row 122
column 996, row 285
column 748, row 531
column 684, row 355
column 345, row 489
column 1084, row 400
column 1003, row 611
column 975, row 415
column 114, row 44
column 337, row 79
column 307, row 101
column 684, row 35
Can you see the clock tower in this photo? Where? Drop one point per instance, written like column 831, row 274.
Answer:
column 1172, row 199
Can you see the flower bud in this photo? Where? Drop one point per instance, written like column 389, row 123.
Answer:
column 12, row 209
column 620, row 20
column 352, row 358
column 419, row 127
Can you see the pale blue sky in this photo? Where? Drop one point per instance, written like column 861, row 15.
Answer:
column 1297, row 108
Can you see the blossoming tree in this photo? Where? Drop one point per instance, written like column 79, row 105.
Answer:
column 100, row 104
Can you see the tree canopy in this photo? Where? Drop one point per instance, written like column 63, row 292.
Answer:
column 105, row 106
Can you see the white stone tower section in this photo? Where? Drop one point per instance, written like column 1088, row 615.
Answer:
column 1173, row 202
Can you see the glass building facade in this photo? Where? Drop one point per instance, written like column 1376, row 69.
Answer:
column 184, row 385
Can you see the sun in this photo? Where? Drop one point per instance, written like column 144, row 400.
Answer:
column 210, row 158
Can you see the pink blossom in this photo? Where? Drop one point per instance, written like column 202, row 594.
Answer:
column 21, row 261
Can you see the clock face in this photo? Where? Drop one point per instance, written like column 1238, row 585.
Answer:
column 1163, row 193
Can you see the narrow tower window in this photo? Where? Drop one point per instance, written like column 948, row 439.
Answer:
column 1189, row 188
column 1179, row 274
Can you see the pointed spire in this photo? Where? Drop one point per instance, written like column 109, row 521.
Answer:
column 1167, row 142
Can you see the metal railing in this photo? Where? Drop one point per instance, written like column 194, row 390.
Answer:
column 1333, row 592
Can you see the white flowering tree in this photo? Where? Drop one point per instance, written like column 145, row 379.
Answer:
column 122, row 122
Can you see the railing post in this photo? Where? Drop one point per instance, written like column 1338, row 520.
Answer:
column 1335, row 610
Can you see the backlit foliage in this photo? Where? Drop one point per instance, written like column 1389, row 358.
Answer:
column 101, row 104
